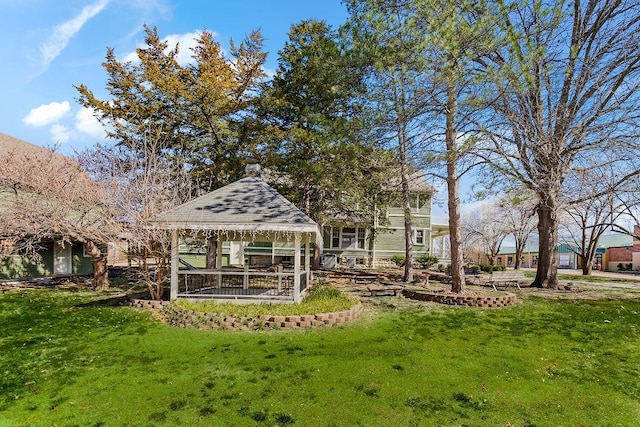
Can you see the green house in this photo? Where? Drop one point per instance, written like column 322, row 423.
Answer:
column 55, row 257
column 354, row 243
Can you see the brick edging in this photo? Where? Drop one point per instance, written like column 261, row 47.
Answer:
column 148, row 303
column 185, row 318
column 506, row 300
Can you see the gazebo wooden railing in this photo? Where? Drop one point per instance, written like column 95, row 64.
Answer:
column 226, row 284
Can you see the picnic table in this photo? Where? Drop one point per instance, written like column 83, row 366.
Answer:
column 507, row 278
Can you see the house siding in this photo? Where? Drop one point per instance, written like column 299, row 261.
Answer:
column 21, row 267
column 79, row 263
column 388, row 239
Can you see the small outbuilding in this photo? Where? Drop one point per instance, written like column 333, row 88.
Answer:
column 248, row 210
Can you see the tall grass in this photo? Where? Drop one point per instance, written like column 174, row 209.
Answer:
column 66, row 360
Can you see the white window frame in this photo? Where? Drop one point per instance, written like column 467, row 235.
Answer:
column 335, row 236
column 423, row 233
column 352, row 236
column 357, row 238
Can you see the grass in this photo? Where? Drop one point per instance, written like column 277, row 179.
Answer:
column 596, row 279
column 589, row 278
column 66, row 360
column 321, row 299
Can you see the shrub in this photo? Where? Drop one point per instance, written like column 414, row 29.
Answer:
column 489, row 268
column 323, row 291
column 398, row 260
column 427, row 261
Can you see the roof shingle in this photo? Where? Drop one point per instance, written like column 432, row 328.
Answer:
column 247, row 204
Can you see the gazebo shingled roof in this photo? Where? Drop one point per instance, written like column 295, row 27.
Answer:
column 249, row 204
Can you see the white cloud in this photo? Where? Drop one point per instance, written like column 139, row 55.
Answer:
column 59, row 133
column 187, row 41
column 270, row 72
column 47, row 113
column 87, row 123
column 62, row 33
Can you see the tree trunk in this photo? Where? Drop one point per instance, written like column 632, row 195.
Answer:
column 156, row 287
column 315, row 257
column 547, row 271
column 212, row 253
column 315, row 262
column 519, row 250
column 587, row 261
column 100, row 268
column 453, row 182
column 408, row 229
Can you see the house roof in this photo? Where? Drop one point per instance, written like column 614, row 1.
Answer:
column 12, row 147
column 605, row 241
column 615, row 240
column 31, row 165
column 249, row 204
column 417, row 180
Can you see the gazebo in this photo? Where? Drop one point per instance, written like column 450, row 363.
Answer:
column 248, row 210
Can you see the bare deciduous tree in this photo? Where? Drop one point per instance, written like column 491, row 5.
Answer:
column 594, row 202
column 142, row 183
column 486, row 230
column 49, row 196
column 518, row 212
column 567, row 80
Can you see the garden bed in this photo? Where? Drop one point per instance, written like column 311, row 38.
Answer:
column 471, row 300
column 323, row 306
column 183, row 317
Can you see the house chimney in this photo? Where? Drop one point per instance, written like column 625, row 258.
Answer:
column 253, row 170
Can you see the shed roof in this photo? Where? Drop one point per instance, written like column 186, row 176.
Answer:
column 249, row 204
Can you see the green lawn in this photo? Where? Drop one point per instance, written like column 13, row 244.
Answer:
column 67, row 362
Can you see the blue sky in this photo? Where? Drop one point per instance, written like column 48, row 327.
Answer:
column 51, row 45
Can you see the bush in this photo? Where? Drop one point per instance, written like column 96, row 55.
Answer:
column 323, row 291
column 489, row 268
column 427, row 261
column 398, row 260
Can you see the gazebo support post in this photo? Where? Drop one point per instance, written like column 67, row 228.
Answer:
column 219, row 261
column 175, row 255
column 296, row 267
column 307, row 255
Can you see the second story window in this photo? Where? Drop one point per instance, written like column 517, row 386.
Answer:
column 348, row 237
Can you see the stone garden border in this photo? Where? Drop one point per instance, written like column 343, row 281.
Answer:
column 506, row 300
column 185, row 318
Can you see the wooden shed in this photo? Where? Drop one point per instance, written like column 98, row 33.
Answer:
column 248, row 210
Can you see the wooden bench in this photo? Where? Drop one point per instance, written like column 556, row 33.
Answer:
column 507, row 278
column 472, row 275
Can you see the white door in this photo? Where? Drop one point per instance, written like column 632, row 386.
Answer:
column 61, row 258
